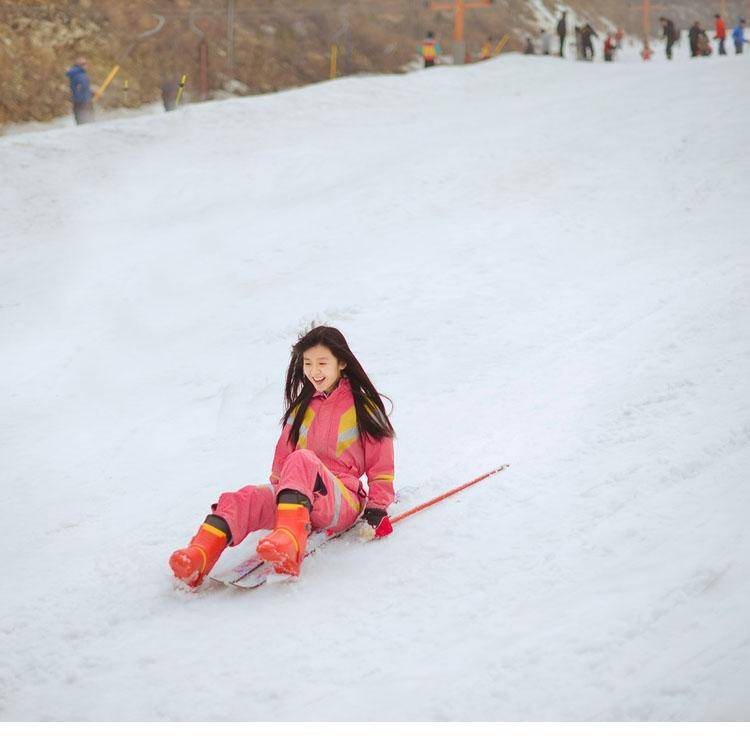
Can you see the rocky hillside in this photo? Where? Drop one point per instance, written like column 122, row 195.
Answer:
column 277, row 43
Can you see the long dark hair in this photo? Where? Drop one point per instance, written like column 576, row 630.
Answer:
column 372, row 419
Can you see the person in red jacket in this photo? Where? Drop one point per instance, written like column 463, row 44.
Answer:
column 336, row 431
column 610, row 45
column 721, row 33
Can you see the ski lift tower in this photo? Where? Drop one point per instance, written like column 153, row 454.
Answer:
column 458, row 7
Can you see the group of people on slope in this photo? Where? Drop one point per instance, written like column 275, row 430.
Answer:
column 584, row 41
column 82, row 92
column 700, row 44
column 430, row 50
column 720, row 29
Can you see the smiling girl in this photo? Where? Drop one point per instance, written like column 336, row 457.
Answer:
column 336, row 431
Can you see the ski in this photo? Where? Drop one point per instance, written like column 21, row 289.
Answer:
column 254, row 571
column 245, row 568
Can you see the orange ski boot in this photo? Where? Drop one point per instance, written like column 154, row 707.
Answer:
column 284, row 547
column 193, row 563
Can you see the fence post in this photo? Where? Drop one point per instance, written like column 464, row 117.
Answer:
column 334, row 60
column 181, row 89
column 107, row 81
column 500, row 45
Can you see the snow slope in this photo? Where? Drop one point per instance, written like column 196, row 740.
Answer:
column 542, row 263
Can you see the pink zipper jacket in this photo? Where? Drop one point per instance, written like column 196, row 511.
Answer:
column 329, row 430
column 326, row 465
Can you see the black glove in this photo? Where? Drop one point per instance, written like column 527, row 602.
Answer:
column 378, row 519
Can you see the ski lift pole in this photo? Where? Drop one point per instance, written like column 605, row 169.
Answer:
column 343, row 34
column 203, row 56
column 458, row 7
column 646, row 8
column 180, row 89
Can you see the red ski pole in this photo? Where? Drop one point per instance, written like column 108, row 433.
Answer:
column 437, row 499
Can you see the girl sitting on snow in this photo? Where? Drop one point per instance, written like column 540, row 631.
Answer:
column 335, row 431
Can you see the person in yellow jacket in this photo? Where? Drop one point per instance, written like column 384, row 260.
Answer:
column 430, row 50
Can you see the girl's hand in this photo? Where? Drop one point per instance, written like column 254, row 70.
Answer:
column 378, row 523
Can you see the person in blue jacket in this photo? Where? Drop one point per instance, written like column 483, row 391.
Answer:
column 738, row 35
column 80, row 92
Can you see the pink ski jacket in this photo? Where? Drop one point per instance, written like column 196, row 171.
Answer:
column 329, row 429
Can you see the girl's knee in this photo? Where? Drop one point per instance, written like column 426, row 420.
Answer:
column 248, row 509
column 302, row 456
column 245, row 498
column 238, row 496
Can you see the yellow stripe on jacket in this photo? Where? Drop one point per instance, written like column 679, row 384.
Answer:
column 348, row 430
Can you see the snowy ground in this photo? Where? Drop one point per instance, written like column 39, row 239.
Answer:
column 542, row 263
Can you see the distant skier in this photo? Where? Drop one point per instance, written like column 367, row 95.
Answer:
column 721, row 33
column 704, row 44
column 579, row 43
column 336, row 431
column 669, row 33
column 610, row 45
column 169, row 88
column 587, row 33
column 80, row 92
column 694, row 35
column 738, row 36
column 430, row 50
column 562, row 31
column 529, row 49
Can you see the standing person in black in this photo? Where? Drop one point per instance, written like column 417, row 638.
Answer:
column 579, row 43
column 562, row 32
column 588, row 46
column 670, row 34
column 694, row 36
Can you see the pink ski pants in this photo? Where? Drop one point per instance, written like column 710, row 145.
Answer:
column 334, row 507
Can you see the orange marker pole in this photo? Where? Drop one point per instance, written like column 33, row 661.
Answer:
column 458, row 7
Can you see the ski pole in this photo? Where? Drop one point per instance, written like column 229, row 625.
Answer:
column 437, row 499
